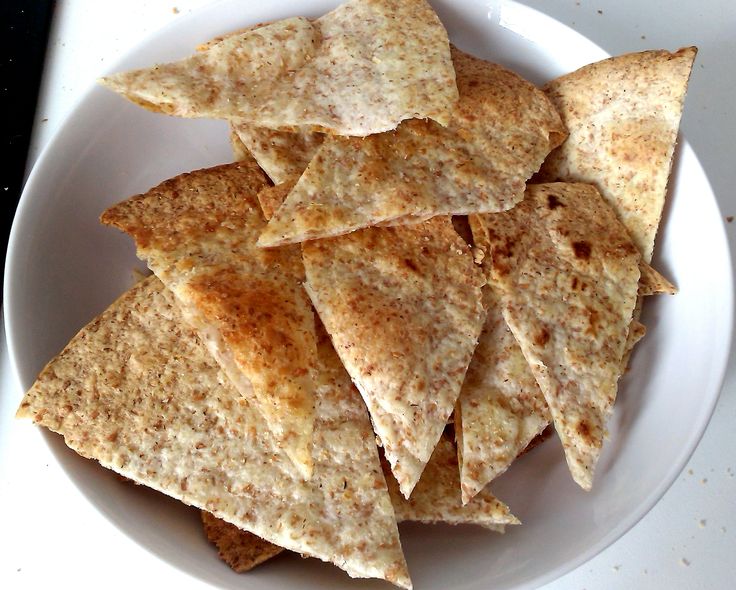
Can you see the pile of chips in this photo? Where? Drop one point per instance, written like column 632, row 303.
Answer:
column 415, row 250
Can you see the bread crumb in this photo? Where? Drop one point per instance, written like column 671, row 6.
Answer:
column 704, row 481
column 684, row 562
column 175, row 10
column 689, row 471
column 600, row 11
column 702, row 523
column 729, row 218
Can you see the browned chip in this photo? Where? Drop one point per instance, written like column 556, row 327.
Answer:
column 567, row 273
column 197, row 232
column 437, row 498
column 240, row 152
column 653, row 283
column 500, row 132
column 623, row 114
column 270, row 198
column 240, row 549
column 357, row 70
column 500, row 409
column 283, row 155
column 137, row 390
column 403, row 308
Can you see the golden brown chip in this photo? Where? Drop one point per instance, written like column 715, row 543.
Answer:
column 138, row 391
column 197, row 232
column 500, row 409
column 437, row 497
column 282, row 154
column 241, row 550
column 653, row 283
column 502, row 129
column 566, row 272
column 623, row 114
column 403, row 308
column 357, row 70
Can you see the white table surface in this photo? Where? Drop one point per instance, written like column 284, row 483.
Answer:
column 50, row 535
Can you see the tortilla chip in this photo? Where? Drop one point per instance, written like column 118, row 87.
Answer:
column 240, row 152
column 137, row 391
column 566, row 272
column 653, row 283
column 623, row 114
column 197, row 232
column 500, row 409
column 403, row 308
column 436, row 498
column 501, row 131
column 241, row 550
column 360, row 69
column 282, row 154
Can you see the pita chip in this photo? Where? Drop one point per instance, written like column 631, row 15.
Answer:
column 240, row 152
column 197, row 232
column 500, row 409
column 653, row 283
column 403, row 308
column 283, row 155
column 500, row 132
column 435, row 500
column 623, row 114
column 241, row 550
column 566, row 272
column 360, row 69
column 137, row 391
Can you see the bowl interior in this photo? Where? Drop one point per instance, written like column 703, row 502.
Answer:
column 64, row 268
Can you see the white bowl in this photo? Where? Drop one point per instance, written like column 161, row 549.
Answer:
column 63, row 268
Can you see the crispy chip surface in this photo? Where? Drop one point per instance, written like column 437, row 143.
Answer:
column 403, row 308
column 437, row 497
column 500, row 409
column 283, row 155
column 241, row 550
column 567, row 273
column 623, row 114
column 197, row 232
column 138, row 391
column 502, row 129
column 357, row 70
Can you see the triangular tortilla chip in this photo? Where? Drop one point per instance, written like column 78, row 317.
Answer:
column 567, row 273
column 137, row 391
column 403, row 308
column 240, row 152
column 197, row 232
column 357, row 70
column 436, row 498
column 500, row 132
column 653, row 283
column 500, row 409
column 283, row 155
column 241, row 550
column 623, row 114
column 270, row 198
